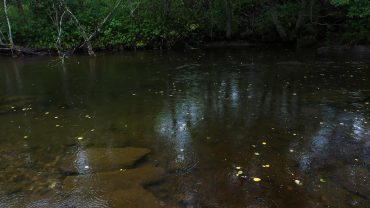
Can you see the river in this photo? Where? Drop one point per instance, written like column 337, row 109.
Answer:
column 249, row 128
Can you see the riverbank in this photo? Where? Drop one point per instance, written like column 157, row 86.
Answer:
column 337, row 50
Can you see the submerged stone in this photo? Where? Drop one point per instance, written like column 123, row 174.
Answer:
column 123, row 188
column 102, row 159
column 136, row 197
column 355, row 180
column 115, row 180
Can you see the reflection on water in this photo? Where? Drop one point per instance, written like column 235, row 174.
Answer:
column 257, row 128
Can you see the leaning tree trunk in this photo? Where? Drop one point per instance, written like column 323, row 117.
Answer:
column 301, row 15
column 98, row 28
column 2, row 38
column 279, row 27
column 105, row 20
column 81, row 29
column 228, row 11
column 10, row 36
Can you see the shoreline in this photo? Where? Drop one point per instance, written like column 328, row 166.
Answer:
column 362, row 49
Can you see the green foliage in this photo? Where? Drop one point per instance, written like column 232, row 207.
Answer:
column 163, row 23
column 356, row 28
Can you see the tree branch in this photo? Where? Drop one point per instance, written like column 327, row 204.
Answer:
column 81, row 28
column 2, row 38
column 10, row 36
column 100, row 26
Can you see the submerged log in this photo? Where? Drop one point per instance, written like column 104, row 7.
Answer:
column 7, row 50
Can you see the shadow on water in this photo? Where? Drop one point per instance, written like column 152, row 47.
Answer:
column 256, row 128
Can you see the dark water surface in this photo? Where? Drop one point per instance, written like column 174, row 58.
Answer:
column 254, row 128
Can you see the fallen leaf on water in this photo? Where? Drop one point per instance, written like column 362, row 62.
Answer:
column 239, row 173
column 255, row 179
column 298, row 182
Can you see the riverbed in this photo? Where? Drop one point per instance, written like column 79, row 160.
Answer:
column 251, row 128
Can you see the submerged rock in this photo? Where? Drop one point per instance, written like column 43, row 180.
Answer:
column 115, row 180
column 123, row 188
column 103, row 159
column 136, row 197
column 355, row 180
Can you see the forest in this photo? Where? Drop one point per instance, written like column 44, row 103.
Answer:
column 67, row 26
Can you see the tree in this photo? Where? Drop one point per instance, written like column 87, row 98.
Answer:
column 10, row 35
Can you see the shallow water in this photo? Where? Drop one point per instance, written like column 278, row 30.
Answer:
column 247, row 128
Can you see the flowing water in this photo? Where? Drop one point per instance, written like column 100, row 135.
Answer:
column 246, row 128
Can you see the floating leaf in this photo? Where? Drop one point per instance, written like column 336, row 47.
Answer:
column 298, row 182
column 255, row 179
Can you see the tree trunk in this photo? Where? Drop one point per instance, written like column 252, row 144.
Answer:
column 301, row 15
column 81, row 29
column 101, row 25
column 167, row 7
column 279, row 27
column 2, row 39
column 59, row 38
column 312, row 3
column 228, row 11
column 10, row 36
column 105, row 20
column 20, row 6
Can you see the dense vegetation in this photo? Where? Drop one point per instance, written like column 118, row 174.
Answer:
column 118, row 24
